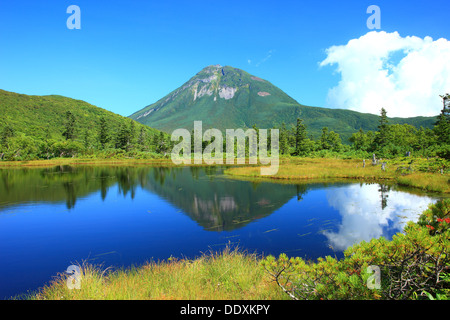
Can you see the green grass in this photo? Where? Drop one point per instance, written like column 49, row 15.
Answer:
column 426, row 181
column 321, row 169
column 227, row 275
column 85, row 161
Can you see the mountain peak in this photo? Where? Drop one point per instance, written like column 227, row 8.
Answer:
column 221, row 96
column 213, row 66
column 225, row 97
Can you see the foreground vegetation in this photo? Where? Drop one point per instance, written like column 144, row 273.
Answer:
column 415, row 264
column 231, row 274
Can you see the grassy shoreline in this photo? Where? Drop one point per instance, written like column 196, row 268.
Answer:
column 83, row 161
column 226, row 275
column 325, row 169
column 291, row 170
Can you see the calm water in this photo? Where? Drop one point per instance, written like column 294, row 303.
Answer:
column 120, row 216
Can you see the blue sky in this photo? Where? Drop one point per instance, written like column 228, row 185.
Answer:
column 128, row 54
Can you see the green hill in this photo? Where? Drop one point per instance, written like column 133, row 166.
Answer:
column 32, row 126
column 227, row 97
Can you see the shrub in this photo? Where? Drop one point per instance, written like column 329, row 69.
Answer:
column 66, row 148
column 21, row 148
column 413, row 264
column 436, row 218
column 444, row 151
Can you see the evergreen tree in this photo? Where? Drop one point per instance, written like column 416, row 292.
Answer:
column 123, row 137
column 70, row 126
column 103, row 132
column 442, row 125
column 324, row 143
column 300, row 137
column 162, row 145
column 284, row 147
column 86, row 139
column 132, row 132
column 154, row 142
column 383, row 131
column 8, row 132
column 141, row 138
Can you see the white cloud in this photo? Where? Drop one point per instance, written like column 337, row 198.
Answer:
column 404, row 75
column 267, row 57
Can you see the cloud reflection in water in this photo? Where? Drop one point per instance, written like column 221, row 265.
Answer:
column 371, row 212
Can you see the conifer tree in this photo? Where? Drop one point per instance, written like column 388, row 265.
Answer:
column 442, row 125
column 103, row 132
column 383, row 130
column 69, row 126
column 324, row 143
column 86, row 139
column 123, row 138
column 141, row 138
column 300, row 137
column 7, row 132
column 132, row 136
column 284, row 147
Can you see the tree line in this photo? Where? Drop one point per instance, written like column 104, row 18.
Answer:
column 101, row 141
column 135, row 140
column 390, row 140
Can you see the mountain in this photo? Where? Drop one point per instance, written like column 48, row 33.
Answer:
column 230, row 98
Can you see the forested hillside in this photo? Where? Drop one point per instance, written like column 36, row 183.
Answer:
column 44, row 127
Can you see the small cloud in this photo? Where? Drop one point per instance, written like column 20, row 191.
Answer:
column 267, row 57
column 249, row 61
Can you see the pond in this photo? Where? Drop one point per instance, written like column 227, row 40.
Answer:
column 51, row 218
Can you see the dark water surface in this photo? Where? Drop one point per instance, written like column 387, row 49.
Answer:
column 121, row 216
